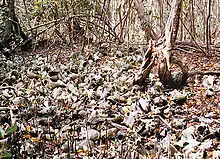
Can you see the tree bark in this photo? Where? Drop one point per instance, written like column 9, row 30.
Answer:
column 218, row 4
column 160, row 2
column 150, row 34
column 208, row 39
column 164, row 47
column 172, row 24
column 13, row 28
column 192, row 19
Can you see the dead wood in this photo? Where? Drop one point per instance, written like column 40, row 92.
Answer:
column 204, row 73
column 164, row 50
column 158, row 59
column 145, row 72
column 146, row 66
column 157, row 56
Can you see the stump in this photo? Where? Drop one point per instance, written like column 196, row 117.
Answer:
column 162, row 58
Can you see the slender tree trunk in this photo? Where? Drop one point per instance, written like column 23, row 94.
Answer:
column 208, row 39
column 192, row 19
column 145, row 24
column 172, row 24
column 160, row 2
column 218, row 4
column 181, row 27
column 109, row 18
column 171, row 31
column 204, row 20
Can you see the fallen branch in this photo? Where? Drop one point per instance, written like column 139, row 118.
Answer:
column 204, row 73
column 166, row 123
column 7, row 108
column 6, row 87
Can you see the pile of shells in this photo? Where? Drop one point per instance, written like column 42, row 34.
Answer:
column 87, row 106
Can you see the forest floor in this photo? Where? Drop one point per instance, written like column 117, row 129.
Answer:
column 69, row 103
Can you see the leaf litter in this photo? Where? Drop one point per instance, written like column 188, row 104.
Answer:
column 82, row 105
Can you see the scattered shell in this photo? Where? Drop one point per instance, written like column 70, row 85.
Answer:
column 54, row 78
column 74, row 76
column 178, row 97
column 143, row 105
column 59, row 83
column 18, row 101
column 31, row 75
column 90, row 134
column 209, row 93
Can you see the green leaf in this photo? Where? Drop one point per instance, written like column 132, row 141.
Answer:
column 6, row 156
column 12, row 129
column 2, row 133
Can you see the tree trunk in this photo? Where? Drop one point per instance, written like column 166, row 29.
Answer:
column 160, row 2
column 208, row 39
column 150, row 34
column 181, row 27
column 218, row 4
column 171, row 29
column 167, row 58
column 192, row 19
column 13, row 28
column 204, row 21
column 164, row 47
column 172, row 24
